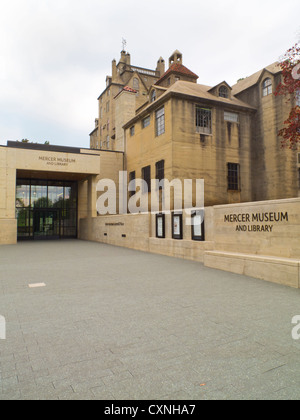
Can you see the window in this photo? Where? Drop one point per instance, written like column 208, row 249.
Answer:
column 107, row 142
column 177, row 78
column 160, row 170
column 267, row 87
column 231, row 117
column 132, row 179
column 153, row 96
column 203, row 120
column 146, row 176
column 132, row 130
column 160, row 121
column 136, row 83
column 146, row 122
column 169, row 81
column 233, row 176
column 107, row 107
column 223, row 92
column 101, row 112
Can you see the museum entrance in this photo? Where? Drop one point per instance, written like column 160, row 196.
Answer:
column 46, row 209
column 46, row 224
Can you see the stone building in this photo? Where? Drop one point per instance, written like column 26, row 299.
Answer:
column 226, row 135
column 124, row 75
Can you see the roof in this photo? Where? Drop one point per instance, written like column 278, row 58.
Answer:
column 254, row 79
column 126, row 89
column 202, row 92
column 193, row 91
column 180, row 69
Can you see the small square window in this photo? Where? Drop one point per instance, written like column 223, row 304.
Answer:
column 146, row 122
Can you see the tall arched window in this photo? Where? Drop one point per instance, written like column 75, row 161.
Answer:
column 223, row 92
column 267, row 87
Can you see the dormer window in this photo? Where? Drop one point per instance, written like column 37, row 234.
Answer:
column 267, row 87
column 153, row 96
column 223, row 92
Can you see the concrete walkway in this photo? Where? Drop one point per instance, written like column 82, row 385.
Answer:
column 113, row 323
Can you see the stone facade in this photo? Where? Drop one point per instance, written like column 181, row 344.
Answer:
column 124, row 74
column 241, row 137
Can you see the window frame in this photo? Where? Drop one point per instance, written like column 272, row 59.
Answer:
column 200, row 117
column 132, row 177
column 160, row 171
column 225, row 93
column 233, row 177
column 153, row 96
column 267, row 88
column 132, row 130
column 148, row 119
column 146, row 177
column 160, row 126
column 228, row 117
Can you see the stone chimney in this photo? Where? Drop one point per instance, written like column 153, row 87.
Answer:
column 161, row 66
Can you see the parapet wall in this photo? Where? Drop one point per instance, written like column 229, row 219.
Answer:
column 263, row 228
column 259, row 239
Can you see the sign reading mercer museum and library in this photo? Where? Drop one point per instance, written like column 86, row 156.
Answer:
column 57, row 161
column 263, row 218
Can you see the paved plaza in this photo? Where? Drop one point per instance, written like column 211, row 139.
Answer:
column 113, row 323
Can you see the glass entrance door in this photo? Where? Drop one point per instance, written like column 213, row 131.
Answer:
column 45, row 224
column 46, row 209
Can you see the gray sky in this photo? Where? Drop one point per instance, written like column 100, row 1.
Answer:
column 55, row 54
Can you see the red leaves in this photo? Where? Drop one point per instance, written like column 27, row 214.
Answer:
column 290, row 86
column 291, row 133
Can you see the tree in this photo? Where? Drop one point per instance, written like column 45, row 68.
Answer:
column 290, row 88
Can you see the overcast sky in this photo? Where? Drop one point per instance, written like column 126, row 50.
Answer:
column 55, row 54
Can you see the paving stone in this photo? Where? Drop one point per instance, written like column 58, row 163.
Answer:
column 114, row 323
